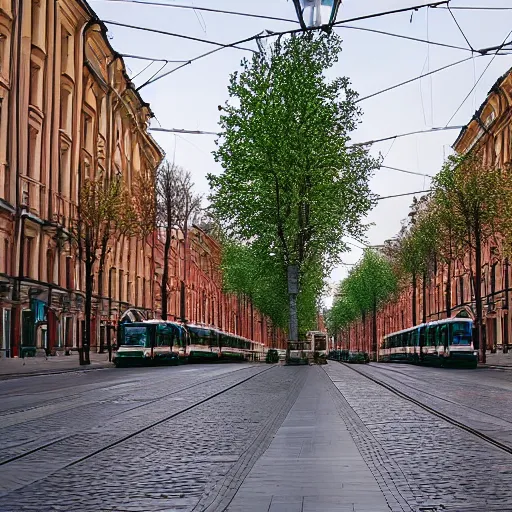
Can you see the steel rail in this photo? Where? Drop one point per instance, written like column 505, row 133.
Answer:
column 143, row 429
column 484, row 437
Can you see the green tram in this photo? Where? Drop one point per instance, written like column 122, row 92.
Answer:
column 158, row 341
column 442, row 343
column 149, row 342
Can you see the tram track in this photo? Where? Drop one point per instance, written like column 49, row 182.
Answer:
column 145, row 428
column 46, row 403
column 475, row 432
column 433, row 395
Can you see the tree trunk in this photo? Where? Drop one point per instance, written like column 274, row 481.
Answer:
column 374, row 320
column 101, row 271
column 414, row 298
column 478, row 293
column 448, row 291
column 507, row 321
column 424, row 289
column 86, row 342
column 293, row 334
column 165, row 274
column 109, row 326
column 293, row 290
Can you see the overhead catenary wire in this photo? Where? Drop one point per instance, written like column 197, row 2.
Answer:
column 380, row 198
column 180, row 130
column 174, row 34
column 414, row 79
column 154, row 59
column 479, row 78
column 430, row 130
column 261, row 35
column 401, row 36
column 405, row 171
column 206, row 9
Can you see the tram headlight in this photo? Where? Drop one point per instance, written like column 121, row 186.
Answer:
column 475, row 353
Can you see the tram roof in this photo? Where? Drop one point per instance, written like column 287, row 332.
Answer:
column 430, row 324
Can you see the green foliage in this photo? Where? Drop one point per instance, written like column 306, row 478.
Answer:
column 470, row 197
column 371, row 283
column 262, row 279
column 291, row 185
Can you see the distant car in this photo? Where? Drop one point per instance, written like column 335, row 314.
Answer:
column 272, row 356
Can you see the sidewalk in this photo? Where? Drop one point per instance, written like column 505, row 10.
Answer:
column 17, row 367
column 499, row 359
column 312, row 464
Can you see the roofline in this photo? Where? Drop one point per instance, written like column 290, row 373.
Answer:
column 476, row 115
column 429, row 324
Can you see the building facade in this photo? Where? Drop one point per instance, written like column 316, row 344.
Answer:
column 69, row 112
column 449, row 291
column 194, row 264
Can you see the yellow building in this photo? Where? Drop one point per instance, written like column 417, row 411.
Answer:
column 67, row 111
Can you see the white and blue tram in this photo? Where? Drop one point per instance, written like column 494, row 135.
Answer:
column 154, row 341
column 444, row 343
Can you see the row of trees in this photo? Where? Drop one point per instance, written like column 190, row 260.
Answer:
column 292, row 186
column 468, row 209
column 160, row 200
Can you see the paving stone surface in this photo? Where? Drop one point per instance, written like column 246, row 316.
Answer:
column 254, row 438
column 313, row 464
column 181, row 463
column 425, row 463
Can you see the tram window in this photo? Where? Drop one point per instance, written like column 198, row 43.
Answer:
column 431, row 333
column 135, row 336
column 443, row 337
column 422, row 336
column 164, row 336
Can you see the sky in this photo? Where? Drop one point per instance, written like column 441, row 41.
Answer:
column 189, row 98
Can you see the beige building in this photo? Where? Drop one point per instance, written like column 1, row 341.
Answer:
column 67, row 111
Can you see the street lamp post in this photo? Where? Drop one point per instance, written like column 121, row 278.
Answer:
column 317, row 13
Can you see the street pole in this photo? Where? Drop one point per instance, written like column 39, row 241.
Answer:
column 293, row 290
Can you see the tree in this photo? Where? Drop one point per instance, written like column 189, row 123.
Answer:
column 291, row 185
column 101, row 210
column 369, row 284
column 176, row 206
column 416, row 249
column 472, row 197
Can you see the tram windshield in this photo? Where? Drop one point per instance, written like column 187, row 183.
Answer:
column 461, row 333
column 135, row 336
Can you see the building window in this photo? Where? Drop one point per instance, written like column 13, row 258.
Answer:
column 27, row 256
column 49, row 266
column 65, row 109
column 493, row 280
column 36, row 89
column 461, row 289
column 3, row 46
column 6, row 256
column 87, row 136
column 37, row 24
column 121, row 286
column 64, row 50
column 69, row 270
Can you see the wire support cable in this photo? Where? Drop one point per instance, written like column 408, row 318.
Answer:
column 480, row 77
column 460, row 28
column 262, row 35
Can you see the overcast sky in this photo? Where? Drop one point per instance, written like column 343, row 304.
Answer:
column 189, row 98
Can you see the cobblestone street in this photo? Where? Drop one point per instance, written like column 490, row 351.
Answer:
column 256, row 438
